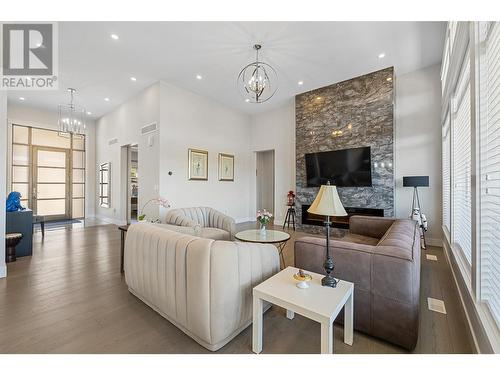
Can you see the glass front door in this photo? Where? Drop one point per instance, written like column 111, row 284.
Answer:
column 51, row 179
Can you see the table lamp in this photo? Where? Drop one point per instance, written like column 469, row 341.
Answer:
column 327, row 203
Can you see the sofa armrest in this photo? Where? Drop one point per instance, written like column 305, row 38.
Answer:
column 222, row 221
column 371, row 226
column 176, row 217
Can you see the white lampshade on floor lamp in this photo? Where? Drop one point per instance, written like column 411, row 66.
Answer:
column 327, row 203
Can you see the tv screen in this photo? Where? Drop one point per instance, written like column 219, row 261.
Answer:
column 346, row 168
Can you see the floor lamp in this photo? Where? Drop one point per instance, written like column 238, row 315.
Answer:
column 327, row 203
column 415, row 182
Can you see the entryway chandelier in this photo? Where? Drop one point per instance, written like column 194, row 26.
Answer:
column 71, row 116
column 257, row 81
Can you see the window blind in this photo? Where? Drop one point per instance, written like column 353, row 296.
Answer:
column 461, row 133
column 446, row 150
column 490, row 173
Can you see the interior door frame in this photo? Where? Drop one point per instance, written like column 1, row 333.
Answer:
column 273, row 180
column 68, row 181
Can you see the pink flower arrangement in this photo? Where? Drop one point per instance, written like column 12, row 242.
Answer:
column 161, row 202
column 264, row 216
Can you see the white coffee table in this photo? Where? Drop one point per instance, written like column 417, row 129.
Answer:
column 319, row 303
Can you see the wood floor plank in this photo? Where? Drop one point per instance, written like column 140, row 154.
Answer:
column 70, row 297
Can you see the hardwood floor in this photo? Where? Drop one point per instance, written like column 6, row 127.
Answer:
column 70, row 297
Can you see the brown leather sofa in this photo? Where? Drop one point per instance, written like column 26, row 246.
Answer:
column 381, row 256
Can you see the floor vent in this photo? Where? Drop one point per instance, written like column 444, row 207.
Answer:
column 112, row 141
column 436, row 305
column 431, row 257
column 149, row 128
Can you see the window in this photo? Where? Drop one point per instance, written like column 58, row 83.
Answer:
column 446, row 173
column 105, row 185
column 461, row 134
column 490, row 171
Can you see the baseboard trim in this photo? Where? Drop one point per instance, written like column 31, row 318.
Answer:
column 245, row 220
column 3, row 271
column 434, row 242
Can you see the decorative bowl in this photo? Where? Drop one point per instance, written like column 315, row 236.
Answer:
column 303, row 280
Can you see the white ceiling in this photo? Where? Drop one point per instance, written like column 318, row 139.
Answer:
column 318, row 53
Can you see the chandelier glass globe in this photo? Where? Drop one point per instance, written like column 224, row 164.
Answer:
column 258, row 81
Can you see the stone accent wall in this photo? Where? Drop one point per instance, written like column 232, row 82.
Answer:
column 362, row 110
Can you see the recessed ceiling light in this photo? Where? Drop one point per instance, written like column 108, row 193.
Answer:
column 247, row 100
column 114, row 36
column 133, row 79
column 106, row 99
column 198, row 76
column 89, row 113
column 381, row 55
column 300, row 83
column 22, row 99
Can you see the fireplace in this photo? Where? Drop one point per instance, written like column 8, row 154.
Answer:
column 338, row 221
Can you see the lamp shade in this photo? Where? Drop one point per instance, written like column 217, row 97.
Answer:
column 327, row 202
column 416, row 181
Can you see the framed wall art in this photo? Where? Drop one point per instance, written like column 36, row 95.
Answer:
column 226, row 167
column 198, row 164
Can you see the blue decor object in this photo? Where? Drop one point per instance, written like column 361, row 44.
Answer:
column 14, row 202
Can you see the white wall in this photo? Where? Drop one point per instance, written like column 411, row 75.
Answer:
column 188, row 121
column 25, row 115
column 124, row 123
column 275, row 130
column 418, row 144
column 3, row 178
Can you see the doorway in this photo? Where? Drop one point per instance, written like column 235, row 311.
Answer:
column 265, row 180
column 51, row 183
column 129, row 180
column 48, row 170
column 133, row 169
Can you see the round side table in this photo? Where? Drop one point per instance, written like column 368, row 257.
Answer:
column 275, row 237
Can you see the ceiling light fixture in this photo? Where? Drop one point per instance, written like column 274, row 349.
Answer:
column 71, row 116
column 22, row 98
column 381, row 55
column 106, row 99
column 300, row 83
column 89, row 113
column 258, row 80
column 133, row 79
column 114, row 36
column 198, row 76
column 247, row 100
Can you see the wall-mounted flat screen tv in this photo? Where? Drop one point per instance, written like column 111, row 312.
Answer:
column 345, row 168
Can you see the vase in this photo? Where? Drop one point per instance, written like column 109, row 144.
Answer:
column 263, row 230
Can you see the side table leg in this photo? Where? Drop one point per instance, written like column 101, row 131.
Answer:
column 281, row 247
column 349, row 320
column 257, row 325
column 326, row 338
